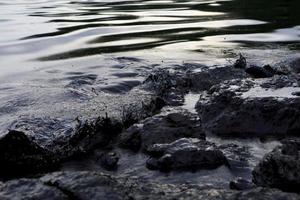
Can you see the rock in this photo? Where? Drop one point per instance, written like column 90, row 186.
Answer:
column 241, row 184
column 170, row 86
column 186, row 154
column 295, row 65
column 241, row 62
column 280, row 168
column 260, row 72
column 20, row 155
column 237, row 156
column 206, row 77
column 166, row 127
column 86, row 185
column 131, row 138
column 23, row 189
column 251, row 107
column 109, row 160
column 38, row 144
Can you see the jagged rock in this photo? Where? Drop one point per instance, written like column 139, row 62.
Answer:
column 241, row 184
column 185, row 153
column 252, row 107
column 280, row 168
column 109, row 160
column 166, row 127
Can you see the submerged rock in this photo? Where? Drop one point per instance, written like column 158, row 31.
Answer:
column 280, row 168
column 166, row 127
column 252, row 107
column 185, row 153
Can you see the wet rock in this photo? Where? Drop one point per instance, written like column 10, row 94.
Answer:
column 86, row 185
column 166, row 127
column 171, row 86
column 109, row 160
column 251, row 107
column 280, row 168
column 206, row 77
column 263, row 194
column 22, row 189
column 20, row 155
column 237, row 156
column 241, row 62
column 37, row 144
column 185, row 153
column 295, row 65
column 153, row 107
column 260, row 72
column 241, row 184
column 131, row 138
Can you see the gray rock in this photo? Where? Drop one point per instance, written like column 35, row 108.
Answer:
column 25, row 189
column 187, row 154
column 37, row 144
column 280, row 168
column 252, row 107
column 206, row 77
column 86, row 185
column 166, row 127
column 241, row 184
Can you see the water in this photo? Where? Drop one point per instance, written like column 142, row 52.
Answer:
column 33, row 33
column 64, row 58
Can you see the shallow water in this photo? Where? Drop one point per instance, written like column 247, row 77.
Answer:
column 64, row 58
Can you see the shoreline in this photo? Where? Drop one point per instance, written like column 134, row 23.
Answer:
column 153, row 137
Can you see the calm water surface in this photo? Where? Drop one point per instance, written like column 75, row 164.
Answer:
column 38, row 33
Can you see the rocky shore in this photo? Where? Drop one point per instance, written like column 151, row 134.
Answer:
column 162, row 149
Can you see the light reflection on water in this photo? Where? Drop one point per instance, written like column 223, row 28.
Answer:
column 44, row 30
